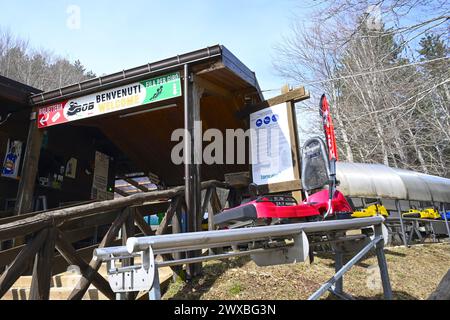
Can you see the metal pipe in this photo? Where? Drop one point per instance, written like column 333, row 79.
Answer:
column 247, row 234
column 379, row 248
column 209, row 239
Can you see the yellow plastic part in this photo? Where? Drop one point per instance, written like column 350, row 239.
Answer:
column 371, row 211
column 429, row 213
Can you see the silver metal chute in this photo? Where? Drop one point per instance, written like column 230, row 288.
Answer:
column 439, row 187
column 417, row 189
column 363, row 180
column 268, row 245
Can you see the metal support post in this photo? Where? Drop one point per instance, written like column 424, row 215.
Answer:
column 446, row 220
column 338, row 263
column 379, row 248
column 330, row 283
column 397, row 205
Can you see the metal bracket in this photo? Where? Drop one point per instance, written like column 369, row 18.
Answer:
column 299, row 252
column 133, row 278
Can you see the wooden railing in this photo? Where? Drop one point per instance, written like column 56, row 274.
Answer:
column 49, row 236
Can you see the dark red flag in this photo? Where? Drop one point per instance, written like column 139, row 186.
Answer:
column 328, row 128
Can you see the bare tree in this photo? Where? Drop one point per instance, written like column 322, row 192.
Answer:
column 389, row 99
column 38, row 68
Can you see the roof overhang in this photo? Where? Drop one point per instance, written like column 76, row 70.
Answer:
column 214, row 63
column 14, row 95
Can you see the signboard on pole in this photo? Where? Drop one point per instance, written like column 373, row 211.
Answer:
column 111, row 100
column 271, row 146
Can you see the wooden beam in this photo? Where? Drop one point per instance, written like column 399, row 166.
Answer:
column 163, row 226
column 85, row 281
column 122, row 193
column 7, row 256
column 295, row 95
column 42, row 270
column 25, row 192
column 42, row 220
column 136, row 185
column 142, row 225
column 193, row 155
column 289, row 186
column 213, row 89
column 70, row 255
column 21, row 262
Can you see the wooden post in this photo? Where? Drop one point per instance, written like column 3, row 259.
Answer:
column 42, row 270
column 295, row 146
column 193, row 157
column 25, row 192
column 20, row 263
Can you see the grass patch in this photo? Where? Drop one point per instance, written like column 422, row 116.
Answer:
column 236, row 288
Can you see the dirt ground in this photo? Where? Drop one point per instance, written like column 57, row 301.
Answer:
column 414, row 274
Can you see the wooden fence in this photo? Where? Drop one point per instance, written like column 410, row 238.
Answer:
column 44, row 241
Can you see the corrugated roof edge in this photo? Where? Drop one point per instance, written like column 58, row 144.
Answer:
column 137, row 73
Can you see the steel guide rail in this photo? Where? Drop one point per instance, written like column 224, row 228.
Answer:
column 267, row 245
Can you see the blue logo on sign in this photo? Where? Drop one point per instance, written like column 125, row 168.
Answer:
column 259, row 123
column 275, row 118
column 267, row 120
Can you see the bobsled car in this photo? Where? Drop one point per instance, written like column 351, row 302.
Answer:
column 371, row 211
column 429, row 213
column 317, row 172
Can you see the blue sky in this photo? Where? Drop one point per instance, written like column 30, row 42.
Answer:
column 116, row 35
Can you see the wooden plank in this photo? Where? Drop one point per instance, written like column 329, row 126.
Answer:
column 82, row 286
column 288, row 186
column 295, row 95
column 21, row 262
column 70, row 255
column 24, row 199
column 42, row 270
